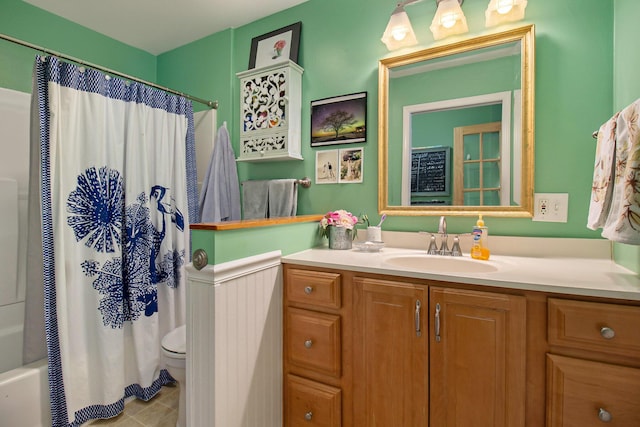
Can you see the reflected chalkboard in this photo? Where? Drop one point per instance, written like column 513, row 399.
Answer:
column 430, row 171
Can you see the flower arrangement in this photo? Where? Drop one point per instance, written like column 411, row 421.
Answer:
column 339, row 218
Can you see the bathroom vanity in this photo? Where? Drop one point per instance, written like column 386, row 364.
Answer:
column 374, row 339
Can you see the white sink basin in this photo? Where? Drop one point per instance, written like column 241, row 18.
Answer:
column 441, row 264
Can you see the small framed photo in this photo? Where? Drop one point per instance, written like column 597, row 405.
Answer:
column 275, row 47
column 351, row 165
column 339, row 120
column 327, row 167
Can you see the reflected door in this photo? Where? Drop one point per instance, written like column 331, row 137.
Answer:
column 478, row 180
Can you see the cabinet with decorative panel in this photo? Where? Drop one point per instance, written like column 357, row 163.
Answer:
column 270, row 112
column 593, row 369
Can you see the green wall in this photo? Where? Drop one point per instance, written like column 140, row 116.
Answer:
column 22, row 21
column 340, row 49
column 228, row 245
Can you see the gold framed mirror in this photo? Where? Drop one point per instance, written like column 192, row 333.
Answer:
column 456, row 128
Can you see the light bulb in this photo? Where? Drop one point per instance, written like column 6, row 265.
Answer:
column 449, row 19
column 504, row 6
column 399, row 33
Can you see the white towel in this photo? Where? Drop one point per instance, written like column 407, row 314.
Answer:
column 623, row 222
column 602, row 186
column 255, row 199
column 283, row 198
column 220, row 194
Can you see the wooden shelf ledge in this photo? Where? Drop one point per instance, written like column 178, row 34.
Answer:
column 253, row 223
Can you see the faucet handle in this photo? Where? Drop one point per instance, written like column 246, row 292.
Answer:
column 455, row 249
column 433, row 247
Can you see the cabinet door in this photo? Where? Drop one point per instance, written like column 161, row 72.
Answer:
column 390, row 354
column 477, row 359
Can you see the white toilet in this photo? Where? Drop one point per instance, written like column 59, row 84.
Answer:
column 174, row 351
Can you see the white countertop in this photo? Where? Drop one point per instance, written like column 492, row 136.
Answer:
column 587, row 276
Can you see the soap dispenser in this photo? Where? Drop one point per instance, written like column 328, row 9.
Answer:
column 480, row 233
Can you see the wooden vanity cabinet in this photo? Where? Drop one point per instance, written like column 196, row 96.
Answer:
column 593, row 369
column 394, row 351
column 316, row 326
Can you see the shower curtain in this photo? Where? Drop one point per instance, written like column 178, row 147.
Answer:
column 118, row 190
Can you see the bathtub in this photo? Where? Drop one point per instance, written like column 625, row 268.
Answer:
column 24, row 396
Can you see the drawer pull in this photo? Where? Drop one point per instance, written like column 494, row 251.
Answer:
column 437, row 323
column 308, row 290
column 603, row 415
column 308, row 343
column 308, row 416
column 607, row 333
column 417, row 319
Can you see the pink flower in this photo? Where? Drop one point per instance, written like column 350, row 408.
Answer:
column 339, row 218
column 280, row 44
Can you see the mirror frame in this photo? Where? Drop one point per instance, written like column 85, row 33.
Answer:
column 527, row 68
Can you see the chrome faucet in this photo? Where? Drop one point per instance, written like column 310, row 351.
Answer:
column 444, row 243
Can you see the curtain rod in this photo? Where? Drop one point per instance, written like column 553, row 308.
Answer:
column 210, row 104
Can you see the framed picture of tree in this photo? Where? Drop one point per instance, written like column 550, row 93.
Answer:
column 339, row 120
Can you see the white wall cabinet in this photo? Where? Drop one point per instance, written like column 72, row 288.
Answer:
column 270, row 110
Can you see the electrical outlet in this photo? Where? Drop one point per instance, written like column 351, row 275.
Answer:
column 550, row 207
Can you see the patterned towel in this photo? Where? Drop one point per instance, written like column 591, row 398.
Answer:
column 623, row 222
column 602, row 188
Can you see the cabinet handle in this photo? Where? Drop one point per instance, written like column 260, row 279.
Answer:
column 607, row 333
column 604, row 415
column 437, row 323
column 308, row 343
column 308, row 290
column 308, row 416
column 417, row 318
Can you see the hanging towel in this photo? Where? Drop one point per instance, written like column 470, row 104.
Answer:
column 255, row 199
column 602, row 186
column 283, row 198
column 220, row 194
column 623, row 222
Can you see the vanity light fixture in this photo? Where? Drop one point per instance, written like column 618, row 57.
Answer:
column 449, row 19
column 501, row 11
column 399, row 32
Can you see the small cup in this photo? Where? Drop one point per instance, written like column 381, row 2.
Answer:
column 374, row 234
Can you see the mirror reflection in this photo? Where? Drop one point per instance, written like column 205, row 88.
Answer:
column 456, row 131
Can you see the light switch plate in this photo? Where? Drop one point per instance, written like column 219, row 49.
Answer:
column 550, row 207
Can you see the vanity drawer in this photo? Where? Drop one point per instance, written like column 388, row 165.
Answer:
column 313, row 340
column 310, row 403
column 313, row 287
column 609, row 328
column 582, row 393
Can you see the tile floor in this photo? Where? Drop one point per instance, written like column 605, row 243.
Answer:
column 161, row 411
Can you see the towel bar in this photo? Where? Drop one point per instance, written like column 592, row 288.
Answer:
column 304, row 182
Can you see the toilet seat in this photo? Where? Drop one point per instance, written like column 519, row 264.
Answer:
column 175, row 342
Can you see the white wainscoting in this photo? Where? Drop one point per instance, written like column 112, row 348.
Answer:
column 234, row 343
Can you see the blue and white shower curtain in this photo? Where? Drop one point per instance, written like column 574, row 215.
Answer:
column 118, row 190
